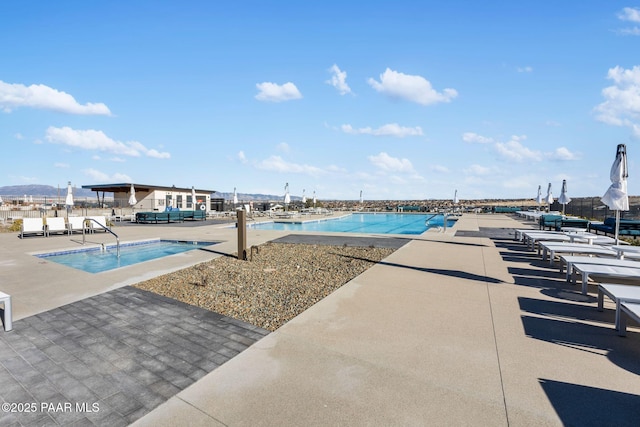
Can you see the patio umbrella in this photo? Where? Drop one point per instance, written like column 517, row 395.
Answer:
column 132, row 196
column 304, row 198
column 235, row 198
column 564, row 199
column 194, row 202
column 361, row 196
column 314, row 199
column 549, row 198
column 1, row 200
column 287, row 197
column 616, row 197
column 455, row 197
column 539, row 198
column 68, row 201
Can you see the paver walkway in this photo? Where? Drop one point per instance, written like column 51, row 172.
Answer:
column 120, row 354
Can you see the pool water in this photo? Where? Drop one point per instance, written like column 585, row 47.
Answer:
column 96, row 260
column 374, row 223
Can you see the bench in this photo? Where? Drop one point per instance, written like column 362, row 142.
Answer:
column 8, row 316
column 628, row 227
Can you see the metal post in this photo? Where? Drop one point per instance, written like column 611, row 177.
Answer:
column 242, row 235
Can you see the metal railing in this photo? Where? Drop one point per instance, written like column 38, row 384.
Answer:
column 105, row 229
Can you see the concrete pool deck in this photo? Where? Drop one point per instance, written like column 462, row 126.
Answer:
column 450, row 329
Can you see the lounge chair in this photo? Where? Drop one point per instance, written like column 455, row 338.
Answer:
column 618, row 294
column 628, row 309
column 97, row 223
column 570, row 260
column 607, row 272
column 76, row 224
column 551, row 249
column 32, row 226
column 56, row 225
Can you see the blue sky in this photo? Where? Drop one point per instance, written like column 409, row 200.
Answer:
column 399, row 100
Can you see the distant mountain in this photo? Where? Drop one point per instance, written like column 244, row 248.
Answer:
column 43, row 190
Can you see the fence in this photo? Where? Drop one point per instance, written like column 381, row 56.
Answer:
column 593, row 208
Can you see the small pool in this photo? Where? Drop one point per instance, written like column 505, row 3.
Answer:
column 374, row 223
column 96, row 260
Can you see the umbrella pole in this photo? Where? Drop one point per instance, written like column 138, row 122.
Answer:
column 617, row 225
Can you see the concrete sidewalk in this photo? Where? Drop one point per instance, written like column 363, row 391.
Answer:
column 446, row 331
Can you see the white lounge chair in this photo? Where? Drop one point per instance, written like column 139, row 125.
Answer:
column 56, row 225
column 608, row 273
column 76, row 224
column 97, row 223
column 551, row 249
column 628, row 309
column 570, row 260
column 32, row 226
column 618, row 294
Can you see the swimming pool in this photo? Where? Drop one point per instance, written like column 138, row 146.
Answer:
column 374, row 223
column 96, row 260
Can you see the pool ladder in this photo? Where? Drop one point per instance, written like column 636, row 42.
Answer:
column 106, row 229
column 444, row 220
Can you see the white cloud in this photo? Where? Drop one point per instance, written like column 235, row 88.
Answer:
column 477, row 170
column 439, row 168
column 283, row 147
column 635, row 31
column 118, row 159
column 242, row 157
column 391, row 164
column 526, row 69
column 46, row 98
column 96, row 140
column 562, row 153
column 99, row 177
column 339, row 80
column 18, row 136
column 475, row 138
column 622, row 100
column 61, row 165
column 630, row 14
column 513, row 150
column 411, row 88
column 273, row 92
column 278, row 164
column 391, row 129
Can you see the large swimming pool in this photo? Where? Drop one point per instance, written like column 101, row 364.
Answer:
column 98, row 259
column 373, row 223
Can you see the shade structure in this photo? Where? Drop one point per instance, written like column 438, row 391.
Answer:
column 194, row 202
column 616, row 197
column 455, row 197
column 132, row 196
column 314, row 198
column 235, row 198
column 68, row 201
column 304, row 197
column 539, row 198
column 549, row 198
column 287, row 197
column 361, row 200
column 564, row 198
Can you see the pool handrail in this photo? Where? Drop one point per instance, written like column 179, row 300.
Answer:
column 106, row 229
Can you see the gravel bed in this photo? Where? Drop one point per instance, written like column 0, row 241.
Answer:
column 279, row 281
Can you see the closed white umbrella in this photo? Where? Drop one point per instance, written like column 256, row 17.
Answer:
column 539, row 198
column 564, row 198
column 287, row 197
column 235, row 198
column 68, row 201
column 132, row 196
column 455, row 197
column 1, row 200
column 616, row 197
column 194, row 202
column 549, row 198
column 314, row 199
column 304, row 198
column 361, row 200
